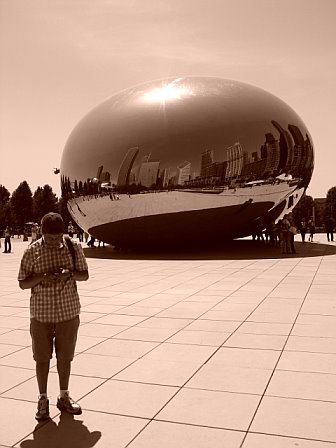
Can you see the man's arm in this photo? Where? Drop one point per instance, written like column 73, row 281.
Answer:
column 80, row 276
column 35, row 279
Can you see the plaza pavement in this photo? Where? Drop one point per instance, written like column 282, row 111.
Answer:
column 223, row 349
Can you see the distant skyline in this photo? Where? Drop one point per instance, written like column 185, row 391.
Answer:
column 60, row 59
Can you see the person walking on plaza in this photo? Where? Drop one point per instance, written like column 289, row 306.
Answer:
column 303, row 229
column 33, row 234
column 292, row 233
column 71, row 229
column 8, row 244
column 285, row 235
column 329, row 226
column 50, row 267
column 311, row 227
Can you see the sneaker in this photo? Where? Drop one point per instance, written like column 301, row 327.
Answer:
column 42, row 409
column 67, row 404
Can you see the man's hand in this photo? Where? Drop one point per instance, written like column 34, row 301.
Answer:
column 48, row 277
column 65, row 274
column 62, row 274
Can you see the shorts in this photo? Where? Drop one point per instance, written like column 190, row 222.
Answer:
column 47, row 334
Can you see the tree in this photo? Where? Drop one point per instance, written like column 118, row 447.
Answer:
column 63, row 210
column 5, row 210
column 331, row 203
column 22, row 205
column 304, row 209
column 44, row 201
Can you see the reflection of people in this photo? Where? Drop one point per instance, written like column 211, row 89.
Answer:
column 257, row 230
column 270, row 232
column 329, row 226
column 8, row 244
column 277, row 234
column 91, row 242
column 48, row 270
column 259, row 227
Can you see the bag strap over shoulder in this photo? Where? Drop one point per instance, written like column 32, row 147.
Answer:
column 71, row 250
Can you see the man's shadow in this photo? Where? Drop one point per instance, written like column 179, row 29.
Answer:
column 69, row 433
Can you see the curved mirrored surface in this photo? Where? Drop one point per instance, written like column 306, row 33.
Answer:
column 185, row 160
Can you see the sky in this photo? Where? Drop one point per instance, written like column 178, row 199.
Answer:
column 59, row 59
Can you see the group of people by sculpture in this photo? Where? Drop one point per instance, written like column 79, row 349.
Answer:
column 282, row 233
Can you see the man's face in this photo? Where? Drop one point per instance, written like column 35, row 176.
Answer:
column 53, row 239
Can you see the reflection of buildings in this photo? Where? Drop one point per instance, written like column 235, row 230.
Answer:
column 183, row 172
column 103, row 176
column 211, row 172
column 254, row 170
column 310, row 155
column 207, row 160
column 164, row 177
column 303, row 151
column 286, row 148
column 126, row 166
column 148, row 173
column 298, row 150
column 289, row 152
column 235, row 161
column 271, row 152
column 297, row 155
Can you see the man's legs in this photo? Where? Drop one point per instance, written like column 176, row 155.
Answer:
column 65, row 343
column 42, row 345
column 8, row 245
column 42, row 342
column 63, row 369
column 42, row 372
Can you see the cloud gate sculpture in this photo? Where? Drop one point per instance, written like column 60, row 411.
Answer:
column 185, row 162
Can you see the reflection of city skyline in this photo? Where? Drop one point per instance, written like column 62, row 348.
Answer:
column 288, row 153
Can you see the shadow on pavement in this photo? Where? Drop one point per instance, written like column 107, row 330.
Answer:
column 69, row 433
column 232, row 250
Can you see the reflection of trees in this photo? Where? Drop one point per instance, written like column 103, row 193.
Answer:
column 78, row 188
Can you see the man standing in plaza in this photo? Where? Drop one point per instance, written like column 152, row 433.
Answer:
column 8, row 246
column 50, row 267
column 329, row 226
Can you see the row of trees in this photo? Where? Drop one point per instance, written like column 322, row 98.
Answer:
column 308, row 207
column 23, row 206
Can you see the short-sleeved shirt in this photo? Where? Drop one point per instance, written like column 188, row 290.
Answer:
column 54, row 301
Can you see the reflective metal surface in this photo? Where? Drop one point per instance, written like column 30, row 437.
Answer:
column 185, row 161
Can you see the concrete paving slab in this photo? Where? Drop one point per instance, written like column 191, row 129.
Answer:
column 231, row 348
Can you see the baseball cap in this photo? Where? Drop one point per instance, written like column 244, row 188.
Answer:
column 52, row 223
